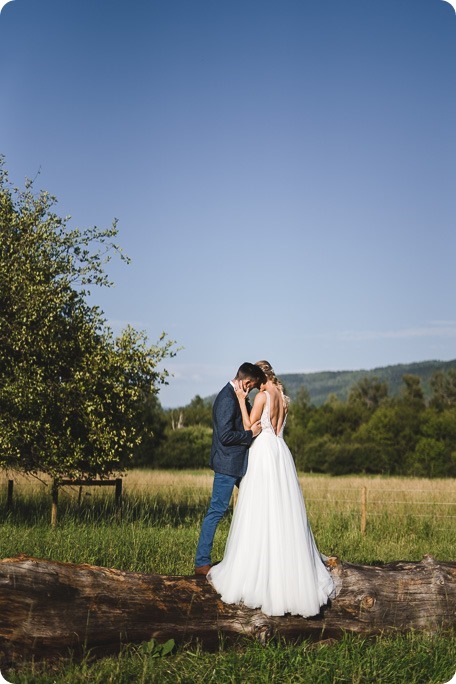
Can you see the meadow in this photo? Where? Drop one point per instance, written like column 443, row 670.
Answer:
column 161, row 515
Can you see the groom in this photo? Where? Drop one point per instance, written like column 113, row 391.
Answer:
column 230, row 443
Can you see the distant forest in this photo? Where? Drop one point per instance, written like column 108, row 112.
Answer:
column 338, row 383
column 396, row 420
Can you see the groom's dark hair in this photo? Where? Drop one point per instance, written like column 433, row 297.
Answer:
column 249, row 370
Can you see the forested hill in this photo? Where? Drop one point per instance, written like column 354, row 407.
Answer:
column 320, row 385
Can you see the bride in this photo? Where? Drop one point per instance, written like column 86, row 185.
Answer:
column 271, row 561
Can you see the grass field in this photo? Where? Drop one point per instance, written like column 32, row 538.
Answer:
column 161, row 517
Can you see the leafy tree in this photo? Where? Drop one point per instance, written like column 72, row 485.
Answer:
column 440, row 425
column 435, row 452
column 300, row 411
column 413, row 393
column 188, row 447
column 443, row 390
column 430, row 459
column 354, row 457
column 312, row 454
column 336, row 418
column 198, row 412
column 395, row 428
column 368, row 392
column 71, row 394
column 153, row 422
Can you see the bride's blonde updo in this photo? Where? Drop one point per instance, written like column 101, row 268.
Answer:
column 269, row 373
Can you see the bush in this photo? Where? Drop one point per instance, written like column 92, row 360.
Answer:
column 187, row 447
column 431, row 459
column 343, row 459
column 312, row 456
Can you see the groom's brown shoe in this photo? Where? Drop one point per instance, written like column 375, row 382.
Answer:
column 202, row 570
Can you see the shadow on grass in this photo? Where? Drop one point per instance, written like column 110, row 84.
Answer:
column 154, row 511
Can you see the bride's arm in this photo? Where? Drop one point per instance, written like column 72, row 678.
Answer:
column 257, row 410
column 242, row 397
column 258, row 406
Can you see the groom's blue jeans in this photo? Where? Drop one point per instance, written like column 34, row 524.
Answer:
column 221, row 494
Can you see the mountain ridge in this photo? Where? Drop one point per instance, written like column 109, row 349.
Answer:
column 321, row 384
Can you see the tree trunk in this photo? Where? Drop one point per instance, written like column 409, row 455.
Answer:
column 48, row 609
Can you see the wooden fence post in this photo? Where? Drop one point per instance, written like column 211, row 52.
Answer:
column 363, row 509
column 9, row 499
column 119, row 498
column 55, row 500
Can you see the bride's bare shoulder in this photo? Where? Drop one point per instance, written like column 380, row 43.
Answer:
column 260, row 397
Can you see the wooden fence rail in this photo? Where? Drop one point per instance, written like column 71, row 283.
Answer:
column 117, row 483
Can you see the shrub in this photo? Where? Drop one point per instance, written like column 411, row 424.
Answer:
column 187, row 447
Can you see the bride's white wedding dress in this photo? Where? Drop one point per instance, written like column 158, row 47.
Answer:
column 271, row 560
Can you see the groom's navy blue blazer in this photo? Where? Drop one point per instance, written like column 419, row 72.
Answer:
column 230, row 442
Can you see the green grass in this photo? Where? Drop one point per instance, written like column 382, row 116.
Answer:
column 162, row 513
column 410, row 659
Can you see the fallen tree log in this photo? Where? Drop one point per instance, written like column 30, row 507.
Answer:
column 49, row 609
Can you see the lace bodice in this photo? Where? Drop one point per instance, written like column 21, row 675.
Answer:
column 266, row 424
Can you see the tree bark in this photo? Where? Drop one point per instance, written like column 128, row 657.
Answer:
column 48, row 608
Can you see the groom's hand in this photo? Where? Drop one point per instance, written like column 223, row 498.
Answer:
column 256, row 428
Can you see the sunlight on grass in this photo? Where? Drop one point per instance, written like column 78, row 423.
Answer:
column 158, row 532
column 163, row 510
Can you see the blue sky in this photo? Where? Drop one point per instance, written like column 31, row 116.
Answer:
column 283, row 172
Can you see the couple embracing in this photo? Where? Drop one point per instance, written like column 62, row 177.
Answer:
column 271, row 561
